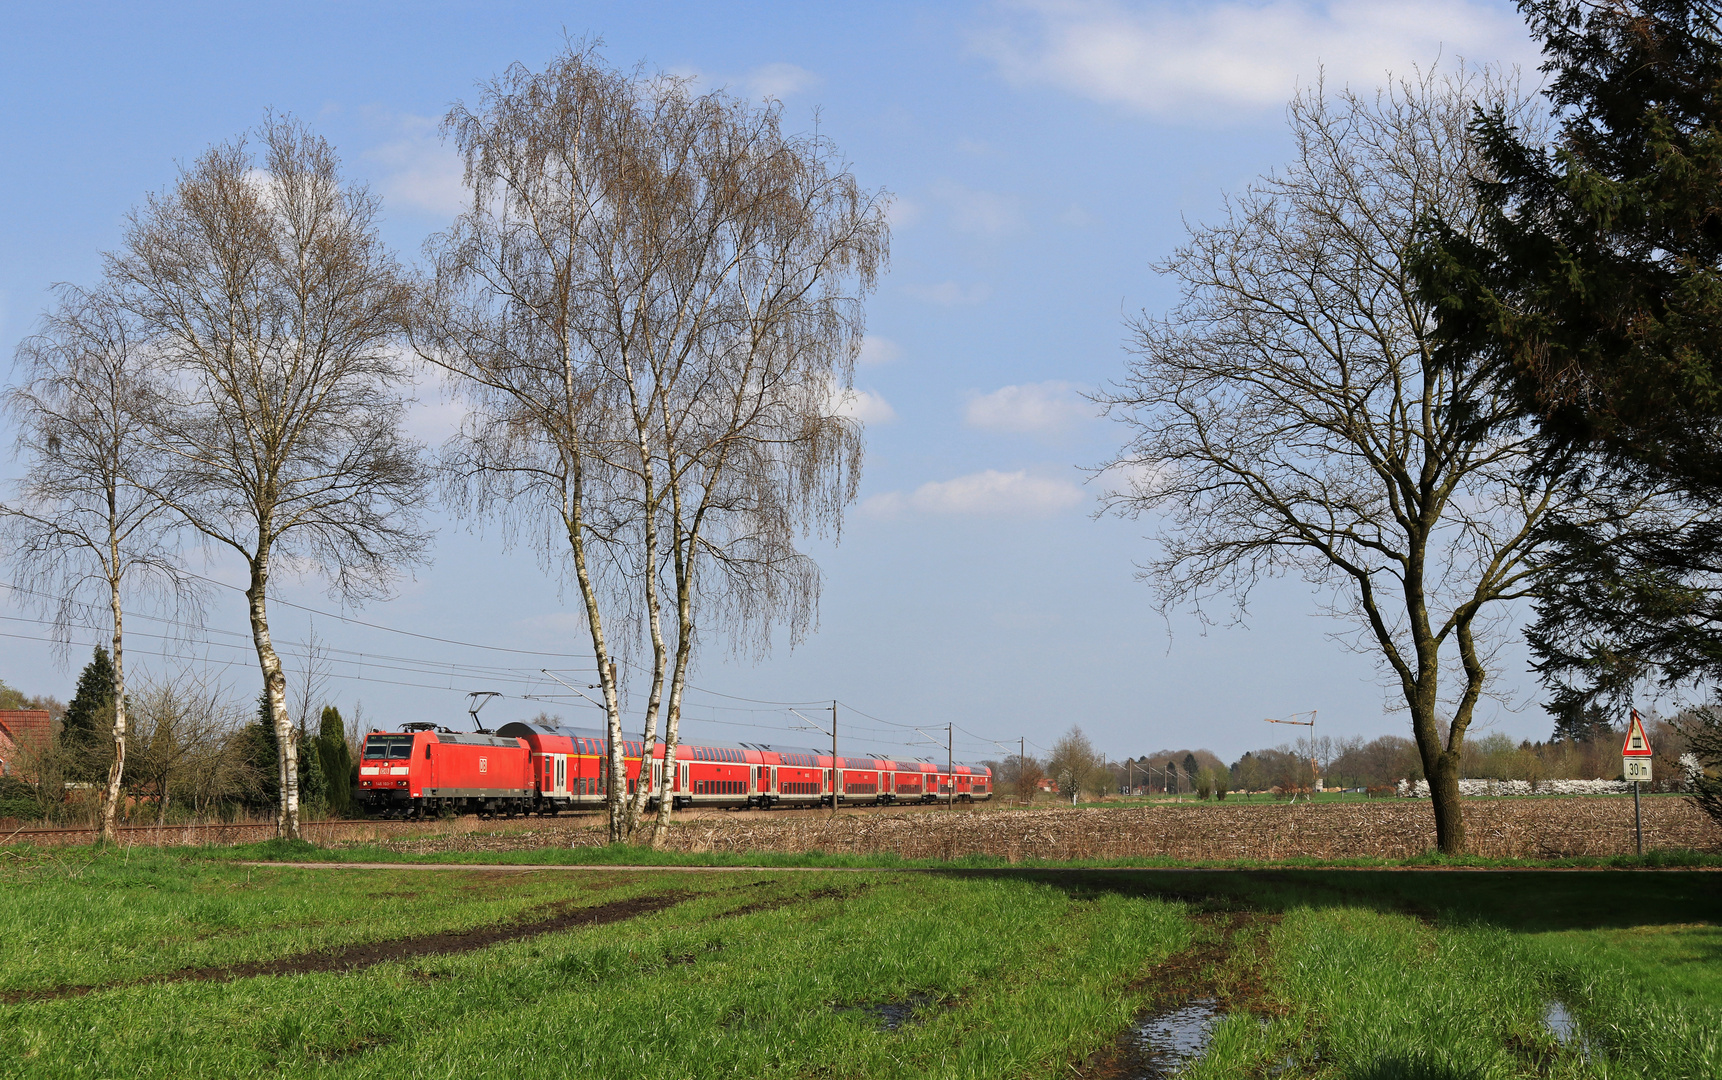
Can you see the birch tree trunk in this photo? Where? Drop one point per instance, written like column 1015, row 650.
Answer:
column 673, row 719
column 275, row 688
column 116, row 770
column 616, row 765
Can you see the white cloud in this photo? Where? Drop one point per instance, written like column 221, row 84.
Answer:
column 435, row 414
column 1171, row 60
column 902, row 213
column 951, row 294
column 420, row 171
column 779, row 80
column 984, row 494
column 1135, row 478
column 1034, row 408
column 1076, row 217
column 981, row 213
column 879, row 350
column 862, row 405
column 434, row 421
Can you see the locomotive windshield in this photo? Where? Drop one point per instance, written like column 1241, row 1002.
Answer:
column 389, row 746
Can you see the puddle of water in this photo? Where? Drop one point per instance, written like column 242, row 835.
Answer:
column 1565, row 1027
column 892, row 1015
column 1160, row 1045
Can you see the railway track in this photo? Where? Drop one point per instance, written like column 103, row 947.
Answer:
column 216, row 833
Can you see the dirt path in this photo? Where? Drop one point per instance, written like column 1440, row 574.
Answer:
column 521, row 868
column 361, row 955
column 531, row 868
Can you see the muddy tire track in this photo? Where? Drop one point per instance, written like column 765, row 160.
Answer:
column 1193, row 976
column 360, row 955
column 795, row 900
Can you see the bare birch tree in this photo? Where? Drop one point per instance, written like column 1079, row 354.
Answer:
column 653, row 308
column 89, row 528
column 275, row 308
column 1289, row 414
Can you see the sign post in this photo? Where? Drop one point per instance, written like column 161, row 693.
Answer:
column 1635, row 766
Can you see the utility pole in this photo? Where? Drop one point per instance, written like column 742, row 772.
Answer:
column 1314, row 769
column 1022, row 770
column 832, row 772
column 950, row 770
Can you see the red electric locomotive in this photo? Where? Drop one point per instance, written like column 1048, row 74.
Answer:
column 425, row 769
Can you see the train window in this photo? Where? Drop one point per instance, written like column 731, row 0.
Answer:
column 389, row 746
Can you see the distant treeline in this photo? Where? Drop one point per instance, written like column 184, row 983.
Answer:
column 1574, row 752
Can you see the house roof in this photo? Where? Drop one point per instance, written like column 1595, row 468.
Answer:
column 24, row 726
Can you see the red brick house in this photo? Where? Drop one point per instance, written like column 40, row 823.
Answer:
column 22, row 729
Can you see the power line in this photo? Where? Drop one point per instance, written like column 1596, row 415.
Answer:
column 876, row 719
column 311, row 653
column 760, row 701
column 393, row 630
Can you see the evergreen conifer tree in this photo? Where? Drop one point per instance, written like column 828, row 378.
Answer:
column 262, row 757
column 313, row 784
column 1579, row 721
column 1592, row 290
column 337, row 761
column 85, row 732
column 1594, row 283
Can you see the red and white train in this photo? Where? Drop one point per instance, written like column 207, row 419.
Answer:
column 537, row 768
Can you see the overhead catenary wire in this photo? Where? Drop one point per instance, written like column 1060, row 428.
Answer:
column 332, row 653
column 396, row 630
column 310, row 654
column 316, row 653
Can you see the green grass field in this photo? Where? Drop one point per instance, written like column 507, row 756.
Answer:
column 183, row 964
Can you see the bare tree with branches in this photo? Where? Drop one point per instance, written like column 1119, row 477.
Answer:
column 187, row 744
column 276, row 310
column 653, row 308
column 1289, row 414
column 90, row 517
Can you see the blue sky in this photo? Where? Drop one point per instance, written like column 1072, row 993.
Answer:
column 1042, row 155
